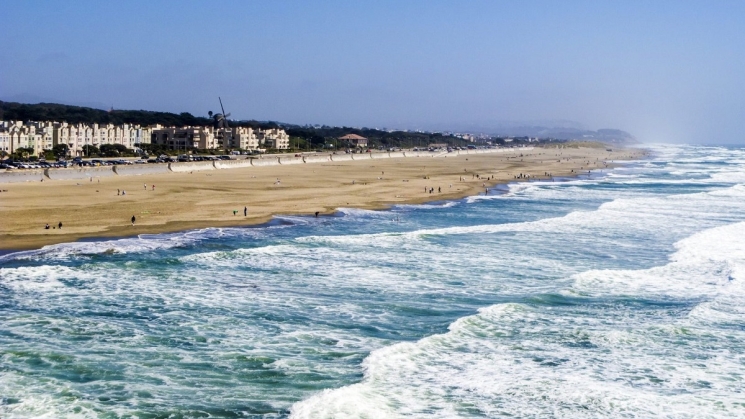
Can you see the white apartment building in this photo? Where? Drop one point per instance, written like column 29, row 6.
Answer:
column 76, row 136
column 184, row 138
column 275, row 138
column 245, row 138
column 5, row 140
column 36, row 136
column 206, row 138
column 126, row 134
column 42, row 136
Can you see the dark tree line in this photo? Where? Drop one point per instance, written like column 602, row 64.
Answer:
column 318, row 136
column 79, row 114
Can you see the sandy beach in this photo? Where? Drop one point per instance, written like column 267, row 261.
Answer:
column 215, row 198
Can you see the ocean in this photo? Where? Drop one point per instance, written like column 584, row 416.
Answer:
column 617, row 295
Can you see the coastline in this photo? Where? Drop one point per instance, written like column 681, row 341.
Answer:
column 187, row 201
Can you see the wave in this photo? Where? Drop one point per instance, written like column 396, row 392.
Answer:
column 143, row 243
column 621, row 214
column 575, row 361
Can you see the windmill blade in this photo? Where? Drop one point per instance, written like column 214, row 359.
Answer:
column 224, row 116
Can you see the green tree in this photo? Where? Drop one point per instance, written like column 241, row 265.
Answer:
column 114, row 150
column 60, row 150
column 90, row 150
column 23, row 153
column 109, row 151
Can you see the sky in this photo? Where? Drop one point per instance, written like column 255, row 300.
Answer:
column 665, row 71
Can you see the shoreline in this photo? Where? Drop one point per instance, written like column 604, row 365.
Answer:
column 209, row 203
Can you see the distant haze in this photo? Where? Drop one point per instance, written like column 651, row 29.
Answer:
column 665, row 71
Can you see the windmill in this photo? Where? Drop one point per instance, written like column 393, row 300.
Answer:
column 220, row 120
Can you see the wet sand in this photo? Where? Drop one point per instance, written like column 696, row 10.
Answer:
column 200, row 199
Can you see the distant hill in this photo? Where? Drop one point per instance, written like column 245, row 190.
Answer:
column 560, row 130
column 563, row 133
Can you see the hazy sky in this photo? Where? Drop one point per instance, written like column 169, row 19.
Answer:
column 669, row 71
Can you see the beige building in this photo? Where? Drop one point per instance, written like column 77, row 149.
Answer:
column 4, row 139
column 206, row 138
column 184, row 138
column 245, row 138
column 357, row 140
column 36, row 136
column 42, row 136
column 274, row 138
column 126, row 134
column 76, row 136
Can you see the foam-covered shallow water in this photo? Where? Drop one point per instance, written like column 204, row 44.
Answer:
column 614, row 296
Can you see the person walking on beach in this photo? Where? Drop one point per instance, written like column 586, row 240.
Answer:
column 133, row 220
column 145, row 185
column 153, row 186
column 245, row 211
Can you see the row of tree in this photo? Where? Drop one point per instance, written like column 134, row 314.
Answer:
column 319, row 137
column 78, row 114
column 61, row 150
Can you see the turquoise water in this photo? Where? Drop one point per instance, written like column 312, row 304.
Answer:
column 614, row 296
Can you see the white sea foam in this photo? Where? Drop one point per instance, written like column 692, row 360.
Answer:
column 39, row 278
column 622, row 214
column 144, row 243
column 448, row 204
column 523, row 361
column 517, row 360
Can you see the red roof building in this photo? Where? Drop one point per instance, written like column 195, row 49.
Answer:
column 355, row 139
